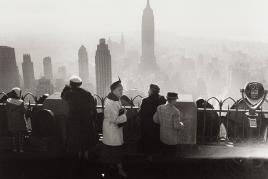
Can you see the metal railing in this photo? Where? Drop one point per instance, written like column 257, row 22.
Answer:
column 211, row 120
column 230, row 123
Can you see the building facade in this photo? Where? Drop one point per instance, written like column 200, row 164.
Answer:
column 83, row 64
column 28, row 72
column 61, row 79
column 48, row 73
column 9, row 73
column 103, row 69
column 148, row 61
column 44, row 86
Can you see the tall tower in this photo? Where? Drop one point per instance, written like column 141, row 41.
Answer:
column 9, row 73
column 122, row 43
column 28, row 72
column 103, row 69
column 62, row 72
column 48, row 68
column 83, row 64
column 148, row 61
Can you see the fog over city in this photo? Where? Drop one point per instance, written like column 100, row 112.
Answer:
column 133, row 89
column 204, row 48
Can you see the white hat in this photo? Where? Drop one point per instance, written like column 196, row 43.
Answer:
column 17, row 90
column 75, row 81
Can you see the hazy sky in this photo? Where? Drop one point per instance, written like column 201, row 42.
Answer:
column 232, row 19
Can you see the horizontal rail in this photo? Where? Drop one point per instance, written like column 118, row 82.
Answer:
column 230, row 110
column 98, row 106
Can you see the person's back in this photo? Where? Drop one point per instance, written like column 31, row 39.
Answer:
column 149, row 106
column 15, row 115
column 81, row 133
column 168, row 117
column 81, row 103
column 149, row 142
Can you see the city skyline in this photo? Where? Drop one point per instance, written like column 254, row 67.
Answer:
column 174, row 56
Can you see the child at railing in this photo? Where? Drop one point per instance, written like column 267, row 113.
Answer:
column 15, row 115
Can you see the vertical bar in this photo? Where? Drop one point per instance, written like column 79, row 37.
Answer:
column 219, row 121
column 243, row 116
column 204, row 126
column 260, row 123
column 210, row 136
column 227, row 121
column 236, row 127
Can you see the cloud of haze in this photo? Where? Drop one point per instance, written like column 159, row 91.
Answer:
column 232, row 19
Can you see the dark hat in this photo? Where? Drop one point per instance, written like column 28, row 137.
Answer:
column 171, row 95
column 155, row 88
column 116, row 84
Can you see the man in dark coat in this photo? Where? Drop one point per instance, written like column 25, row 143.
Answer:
column 149, row 130
column 81, row 133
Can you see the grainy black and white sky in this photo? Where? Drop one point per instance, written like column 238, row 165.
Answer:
column 230, row 19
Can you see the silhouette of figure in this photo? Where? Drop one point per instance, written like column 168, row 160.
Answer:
column 81, row 133
column 149, row 142
column 15, row 115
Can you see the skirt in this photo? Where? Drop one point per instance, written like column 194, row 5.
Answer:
column 112, row 154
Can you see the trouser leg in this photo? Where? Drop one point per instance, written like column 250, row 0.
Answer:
column 21, row 141
column 14, row 142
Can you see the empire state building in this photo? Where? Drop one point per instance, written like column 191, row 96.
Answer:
column 148, row 61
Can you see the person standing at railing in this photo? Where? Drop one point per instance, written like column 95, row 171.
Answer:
column 114, row 118
column 149, row 142
column 169, row 119
column 81, row 134
column 15, row 114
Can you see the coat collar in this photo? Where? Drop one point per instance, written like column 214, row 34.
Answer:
column 111, row 96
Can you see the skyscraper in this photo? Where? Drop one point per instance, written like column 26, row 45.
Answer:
column 122, row 43
column 48, row 74
column 44, row 86
column 62, row 72
column 28, row 72
column 9, row 73
column 83, row 64
column 103, row 69
column 148, row 61
column 61, row 78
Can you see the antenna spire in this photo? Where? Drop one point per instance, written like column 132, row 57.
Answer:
column 148, row 4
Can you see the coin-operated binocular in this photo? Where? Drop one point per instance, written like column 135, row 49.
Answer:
column 253, row 95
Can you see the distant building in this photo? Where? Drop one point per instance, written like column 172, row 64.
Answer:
column 9, row 73
column 62, row 72
column 48, row 73
column 103, row 69
column 61, row 78
column 59, row 84
column 83, row 64
column 44, row 86
column 117, row 49
column 148, row 61
column 28, row 72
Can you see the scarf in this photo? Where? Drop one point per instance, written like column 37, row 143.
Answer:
column 111, row 96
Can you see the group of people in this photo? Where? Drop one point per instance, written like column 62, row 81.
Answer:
column 160, row 122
